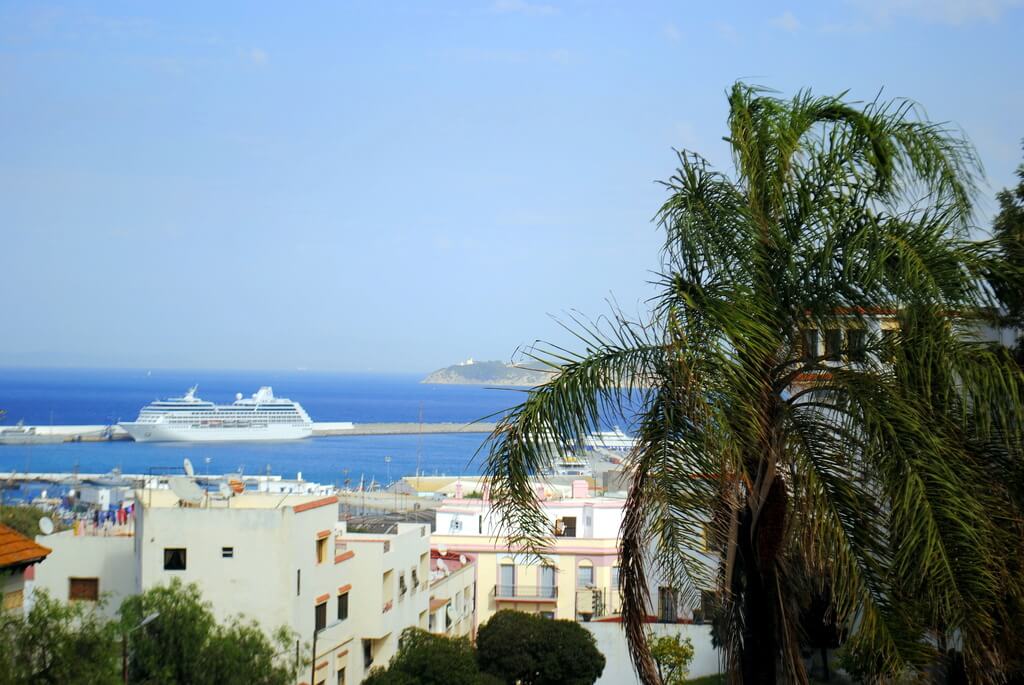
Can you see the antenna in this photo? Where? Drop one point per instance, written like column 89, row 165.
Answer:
column 185, row 489
column 46, row 525
column 189, row 470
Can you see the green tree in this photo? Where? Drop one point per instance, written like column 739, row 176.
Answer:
column 185, row 644
column 427, row 659
column 1008, row 231
column 505, row 645
column 672, row 655
column 57, row 643
column 874, row 463
column 523, row 648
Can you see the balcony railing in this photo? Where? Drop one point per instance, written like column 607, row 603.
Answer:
column 526, row 593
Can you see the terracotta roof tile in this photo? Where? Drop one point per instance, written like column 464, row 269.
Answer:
column 17, row 550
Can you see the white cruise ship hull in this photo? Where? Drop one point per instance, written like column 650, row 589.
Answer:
column 157, row 432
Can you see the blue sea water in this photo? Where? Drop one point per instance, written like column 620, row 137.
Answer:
column 94, row 396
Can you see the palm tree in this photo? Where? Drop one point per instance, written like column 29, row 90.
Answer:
column 877, row 464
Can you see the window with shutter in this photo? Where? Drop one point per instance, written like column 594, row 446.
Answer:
column 84, row 589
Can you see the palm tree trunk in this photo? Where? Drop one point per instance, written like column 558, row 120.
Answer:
column 760, row 642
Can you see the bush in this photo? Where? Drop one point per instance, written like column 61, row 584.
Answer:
column 427, row 659
column 523, row 648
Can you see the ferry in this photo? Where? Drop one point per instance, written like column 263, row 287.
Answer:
column 191, row 419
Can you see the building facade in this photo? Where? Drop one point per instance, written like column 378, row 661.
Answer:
column 279, row 560
column 576, row 579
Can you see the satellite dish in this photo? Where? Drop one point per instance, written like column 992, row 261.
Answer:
column 462, row 559
column 46, row 525
column 225, row 490
column 189, row 471
column 185, row 489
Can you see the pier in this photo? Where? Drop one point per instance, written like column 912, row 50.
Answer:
column 99, row 433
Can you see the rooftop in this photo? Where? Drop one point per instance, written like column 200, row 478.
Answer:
column 165, row 499
column 18, row 550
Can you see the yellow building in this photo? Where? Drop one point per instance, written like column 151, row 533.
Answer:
column 577, row 578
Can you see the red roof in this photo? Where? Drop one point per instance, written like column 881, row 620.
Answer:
column 18, row 550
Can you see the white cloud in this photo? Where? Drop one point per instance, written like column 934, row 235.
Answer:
column 523, row 7
column 257, row 56
column 672, row 32
column 787, row 22
column 952, row 12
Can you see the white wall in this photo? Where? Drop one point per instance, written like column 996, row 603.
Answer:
column 618, row 668
column 111, row 559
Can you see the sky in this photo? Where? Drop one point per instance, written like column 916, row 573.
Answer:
column 396, row 186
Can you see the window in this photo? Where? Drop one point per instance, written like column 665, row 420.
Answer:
column 507, row 581
column 569, row 527
column 367, row 653
column 298, row 582
column 84, row 589
column 227, row 552
column 834, row 344
column 547, row 614
column 615, row 577
column 809, row 345
column 320, row 616
column 321, row 550
column 342, row 606
column 666, row 605
column 14, row 599
column 547, row 581
column 585, row 576
column 341, row 676
column 856, row 343
column 415, row 579
column 174, row 558
column 402, row 588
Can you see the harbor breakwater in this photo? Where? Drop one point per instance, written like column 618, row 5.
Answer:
column 95, row 433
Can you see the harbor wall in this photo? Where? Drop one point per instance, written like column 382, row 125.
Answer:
column 88, row 433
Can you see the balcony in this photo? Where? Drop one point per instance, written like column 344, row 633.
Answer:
column 525, row 593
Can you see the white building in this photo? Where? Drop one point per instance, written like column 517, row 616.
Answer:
column 277, row 559
column 452, row 594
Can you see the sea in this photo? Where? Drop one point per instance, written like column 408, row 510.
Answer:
column 106, row 396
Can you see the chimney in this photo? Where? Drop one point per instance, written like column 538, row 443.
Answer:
column 580, row 489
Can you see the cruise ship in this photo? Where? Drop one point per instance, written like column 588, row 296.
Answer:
column 191, row 419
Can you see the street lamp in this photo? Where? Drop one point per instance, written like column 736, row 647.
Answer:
column 124, row 643
column 312, row 666
column 312, row 662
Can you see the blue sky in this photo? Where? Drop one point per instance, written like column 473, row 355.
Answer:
column 397, row 186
